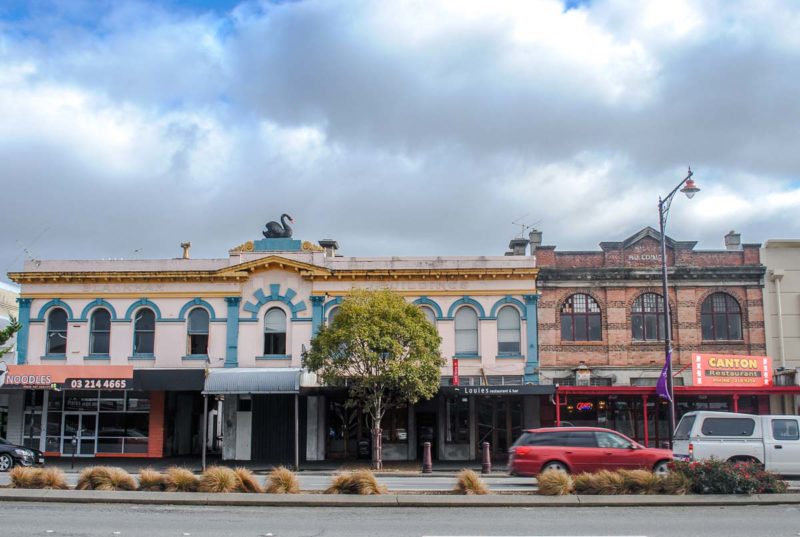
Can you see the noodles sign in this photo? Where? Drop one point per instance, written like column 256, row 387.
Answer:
column 727, row 370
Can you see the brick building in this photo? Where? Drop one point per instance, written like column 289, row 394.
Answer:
column 601, row 331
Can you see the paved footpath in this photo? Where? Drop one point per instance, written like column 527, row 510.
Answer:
column 92, row 520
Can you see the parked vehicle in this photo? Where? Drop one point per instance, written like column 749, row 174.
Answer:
column 773, row 441
column 581, row 449
column 11, row 455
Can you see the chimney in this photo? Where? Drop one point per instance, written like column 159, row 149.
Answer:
column 518, row 246
column 186, row 246
column 733, row 241
column 330, row 246
column 535, row 237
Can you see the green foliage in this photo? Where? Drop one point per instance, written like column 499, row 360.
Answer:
column 383, row 348
column 714, row 476
column 6, row 334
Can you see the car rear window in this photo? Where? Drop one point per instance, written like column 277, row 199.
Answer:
column 684, row 427
column 728, row 426
column 543, row 439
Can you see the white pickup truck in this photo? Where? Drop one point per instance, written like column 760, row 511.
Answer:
column 773, row 441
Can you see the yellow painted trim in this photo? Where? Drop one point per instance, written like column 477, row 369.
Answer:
column 140, row 294
column 440, row 292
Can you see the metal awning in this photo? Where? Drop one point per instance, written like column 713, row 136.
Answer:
column 252, row 381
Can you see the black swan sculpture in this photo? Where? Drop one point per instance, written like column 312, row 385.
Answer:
column 280, row 230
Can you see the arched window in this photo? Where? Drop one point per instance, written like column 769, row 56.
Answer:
column 466, row 331
column 429, row 314
column 647, row 318
column 57, row 332
column 721, row 318
column 197, row 332
column 275, row 332
column 332, row 313
column 144, row 332
column 580, row 319
column 508, row 332
column 100, row 332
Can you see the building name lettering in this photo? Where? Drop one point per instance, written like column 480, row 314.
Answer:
column 644, row 257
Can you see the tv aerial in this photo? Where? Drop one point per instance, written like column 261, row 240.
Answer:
column 524, row 227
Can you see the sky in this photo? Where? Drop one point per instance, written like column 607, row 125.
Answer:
column 411, row 127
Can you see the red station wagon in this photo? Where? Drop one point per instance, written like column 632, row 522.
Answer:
column 581, row 449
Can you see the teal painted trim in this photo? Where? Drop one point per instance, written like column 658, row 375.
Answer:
column 509, row 300
column 277, row 245
column 316, row 313
column 98, row 303
column 203, row 357
column 232, row 332
column 197, row 302
column 464, row 356
column 61, row 357
column 223, row 320
column 466, row 301
column 274, row 357
column 302, row 320
column 247, row 320
column 137, row 357
column 509, row 356
column 142, row 302
column 330, row 304
column 261, row 298
column 24, row 319
column 97, row 357
column 532, row 335
column 425, row 301
column 55, row 303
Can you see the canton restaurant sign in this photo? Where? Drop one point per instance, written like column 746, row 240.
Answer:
column 727, row 370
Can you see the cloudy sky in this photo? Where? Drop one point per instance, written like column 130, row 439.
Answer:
column 398, row 128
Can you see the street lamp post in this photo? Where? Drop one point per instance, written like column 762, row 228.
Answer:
column 663, row 211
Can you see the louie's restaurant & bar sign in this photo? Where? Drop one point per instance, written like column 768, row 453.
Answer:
column 731, row 370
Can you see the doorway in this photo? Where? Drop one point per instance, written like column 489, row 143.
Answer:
column 81, row 426
column 499, row 423
column 426, row 432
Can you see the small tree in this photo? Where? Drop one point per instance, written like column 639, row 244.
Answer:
column 386, row 351
column 6, row 334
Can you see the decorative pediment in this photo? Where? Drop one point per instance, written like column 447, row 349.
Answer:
column 275, row 262
column 646, row 235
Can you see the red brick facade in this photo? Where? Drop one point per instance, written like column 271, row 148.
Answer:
column 621, row 272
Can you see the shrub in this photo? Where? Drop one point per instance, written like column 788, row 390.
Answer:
column 105, row 478
column 585, row 484
column 247, row 481
column 219, row 479
column 674, row 483
column 554, row 483
column 151, row 480
column 282, row 481
column 470, row 483
column 714, row 476
column 356, row 482
column 178, row 479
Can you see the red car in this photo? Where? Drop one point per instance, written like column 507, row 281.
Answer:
column 581, row 449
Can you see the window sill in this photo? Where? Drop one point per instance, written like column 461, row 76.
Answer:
column 97, row 357
column 649, row 342
column 274, row 357
column 142, row 357
column 592, row 342
column 509, row 356
column 463, row 356
column 722, row 342
column 203, row 357
column 54, row 357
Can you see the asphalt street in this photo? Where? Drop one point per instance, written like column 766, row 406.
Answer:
column 93, row 520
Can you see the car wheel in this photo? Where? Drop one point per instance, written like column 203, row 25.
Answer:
column 661, row 468
column 555, row 465
column 6, row 462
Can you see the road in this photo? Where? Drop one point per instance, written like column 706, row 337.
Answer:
column 320, row 482
column 26, row 520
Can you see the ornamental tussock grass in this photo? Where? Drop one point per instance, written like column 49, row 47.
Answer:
column 105, row 478
column 554, row 483
column 151, row 480
column 281, row 480
column 178, row 479
column 37, row 478
column 52, row 478
column 469, row 482
column 247, row 481
column 218, row 479
column 608, row 482
column 367, row 483
column 585, row 484
column 640, row 482
column 342, row 484
column 674, row 483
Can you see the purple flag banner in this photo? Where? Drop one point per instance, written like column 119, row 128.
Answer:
column 662, row 389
